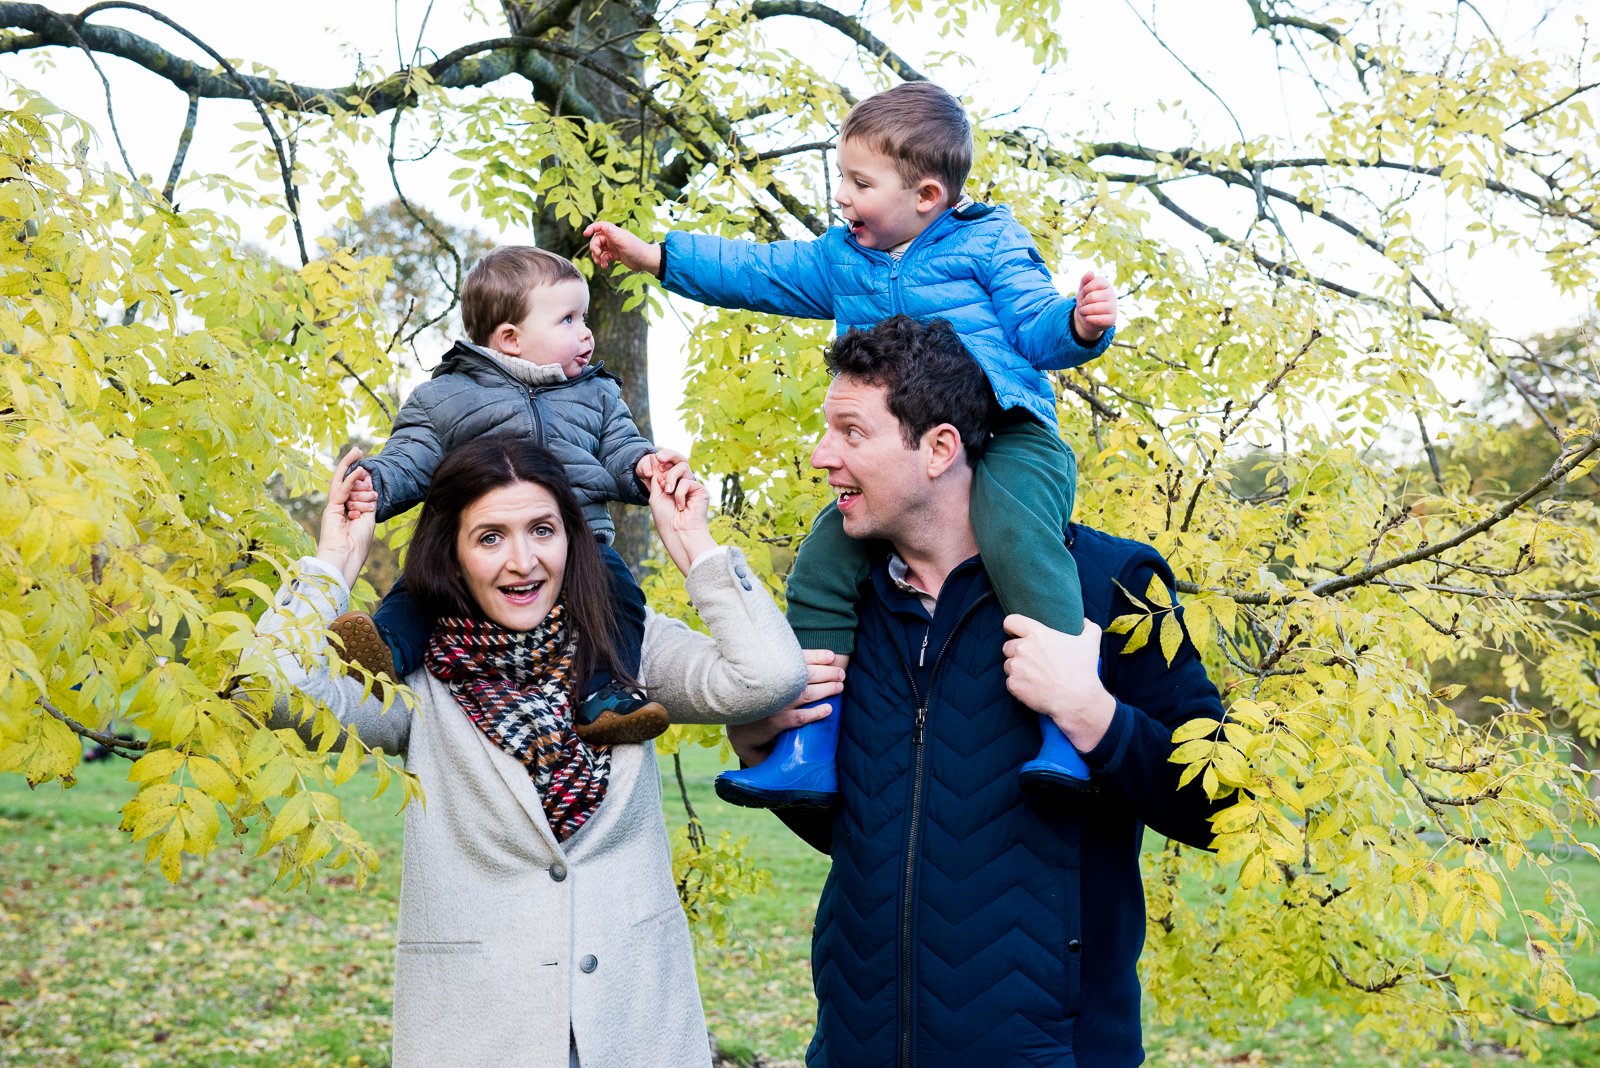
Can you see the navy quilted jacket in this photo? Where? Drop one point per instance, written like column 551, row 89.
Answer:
column 964, row 923
column 973, row 265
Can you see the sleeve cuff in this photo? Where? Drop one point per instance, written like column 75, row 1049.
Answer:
column 714, row 569
column 1107, row 756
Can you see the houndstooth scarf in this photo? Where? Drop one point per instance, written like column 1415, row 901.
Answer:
column 517, row 687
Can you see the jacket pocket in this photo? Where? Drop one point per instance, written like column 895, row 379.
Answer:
column 438, row 948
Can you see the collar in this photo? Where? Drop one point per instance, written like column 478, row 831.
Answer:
column 900, row 575
column 525, row 371
column 962, row 210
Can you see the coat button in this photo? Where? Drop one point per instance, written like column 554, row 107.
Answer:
column 1074, row 946
column 745, row 583
column 738, row 569
column 589, row 963
column 558, row 871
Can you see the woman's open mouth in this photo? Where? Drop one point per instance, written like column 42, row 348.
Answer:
column 525, row 593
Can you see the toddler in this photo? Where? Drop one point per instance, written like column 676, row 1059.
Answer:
column 525, row 370
column 912, row 244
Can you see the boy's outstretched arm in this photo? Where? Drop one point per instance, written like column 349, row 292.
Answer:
column 782, row 277
column 610, row 244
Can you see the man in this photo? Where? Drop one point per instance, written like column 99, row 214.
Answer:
column 967, row 920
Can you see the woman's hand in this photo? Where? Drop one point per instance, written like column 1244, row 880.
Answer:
column 349, row 520
column 678, row 506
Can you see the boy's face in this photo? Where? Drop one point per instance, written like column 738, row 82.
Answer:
column 553, row 332
column 881, row 211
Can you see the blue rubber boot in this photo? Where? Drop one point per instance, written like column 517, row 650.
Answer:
column 798, row 774
column 1058, row 765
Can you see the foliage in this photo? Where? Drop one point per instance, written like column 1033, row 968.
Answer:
column 1308, row 320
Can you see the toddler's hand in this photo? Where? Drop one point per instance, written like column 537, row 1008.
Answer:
column 362, row 498
column 610, row 244
column 1097, row 307
column 645, row 469
column 673, row 475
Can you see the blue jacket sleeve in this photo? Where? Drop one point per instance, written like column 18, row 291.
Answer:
column 1036, row 318
column 1154, row 699
column 783, row 277
column 402, row 470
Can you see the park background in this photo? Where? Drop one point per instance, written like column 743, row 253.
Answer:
column 1353, row 400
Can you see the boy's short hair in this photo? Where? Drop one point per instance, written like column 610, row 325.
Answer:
column 496, row 289
column 922, row 128
column 928, row 374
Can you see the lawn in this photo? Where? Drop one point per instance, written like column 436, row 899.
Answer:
column 102, row 962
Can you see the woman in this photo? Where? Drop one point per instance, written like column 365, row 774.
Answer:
column 539, row 924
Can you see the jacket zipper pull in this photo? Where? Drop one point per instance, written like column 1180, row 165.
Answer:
column 922, row 719
column 922, row 654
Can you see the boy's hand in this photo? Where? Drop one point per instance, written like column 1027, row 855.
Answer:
column 610, row 244
column 1097, row 307
column 362, row 496
column 673, row 475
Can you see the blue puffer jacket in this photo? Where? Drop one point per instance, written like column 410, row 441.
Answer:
column 973, row 265
column 964, row 922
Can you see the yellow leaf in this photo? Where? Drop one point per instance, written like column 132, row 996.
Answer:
column 1157, row 593
column 292, row 818
column 210, row 777
column 159, row 764
column 1171, row 636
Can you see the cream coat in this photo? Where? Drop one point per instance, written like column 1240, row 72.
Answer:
column 508, row 941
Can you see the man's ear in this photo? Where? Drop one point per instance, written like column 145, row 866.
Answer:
column 930, row 196
column 944, row 449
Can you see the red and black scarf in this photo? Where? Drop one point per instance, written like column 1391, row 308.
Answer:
column 517, row 687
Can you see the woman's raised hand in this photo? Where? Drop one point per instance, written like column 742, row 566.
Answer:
column 349, row 520
column 678, row 506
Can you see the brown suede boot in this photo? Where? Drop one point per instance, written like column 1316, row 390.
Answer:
column 364, row 647
column 616, row 715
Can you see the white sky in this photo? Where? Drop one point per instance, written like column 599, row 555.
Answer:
column 1112, row 86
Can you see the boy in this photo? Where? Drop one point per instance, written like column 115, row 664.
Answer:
column 913, row 244
column 525, row 370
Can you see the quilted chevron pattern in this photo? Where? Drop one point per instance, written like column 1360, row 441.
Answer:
column 964, row 922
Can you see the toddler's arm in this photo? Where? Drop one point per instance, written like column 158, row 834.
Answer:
column 621, row 449
column 783, row 277
column 401, row 472
column 1037, row 319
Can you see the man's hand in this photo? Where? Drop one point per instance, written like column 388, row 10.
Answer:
column 1058, row 675
column 610, row 244
column 1097, row 307
column 824, row 678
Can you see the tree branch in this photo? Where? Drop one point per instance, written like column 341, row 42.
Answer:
column 170, row 190
column 850, row 27
column 110, row 741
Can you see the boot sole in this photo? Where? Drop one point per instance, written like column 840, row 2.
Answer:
column 744, row 797
column 364, row 647
column 640, row 725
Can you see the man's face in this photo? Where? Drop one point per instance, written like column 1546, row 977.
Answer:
column 883, row 484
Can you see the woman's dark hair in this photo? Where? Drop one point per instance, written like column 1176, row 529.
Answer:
column 433, row 571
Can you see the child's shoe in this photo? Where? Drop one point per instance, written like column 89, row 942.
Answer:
column 798, row 774
column 616, row 715
column 364, row 647
column 1058, row 766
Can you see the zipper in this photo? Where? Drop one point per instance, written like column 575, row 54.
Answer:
column 914, row 826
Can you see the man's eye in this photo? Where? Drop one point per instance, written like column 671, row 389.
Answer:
column 853, row 433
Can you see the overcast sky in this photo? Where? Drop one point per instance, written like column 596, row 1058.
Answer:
column 1115, row 78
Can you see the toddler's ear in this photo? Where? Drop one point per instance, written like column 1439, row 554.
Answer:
column 930, row 195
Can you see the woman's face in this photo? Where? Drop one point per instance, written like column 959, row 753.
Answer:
column 512, row 547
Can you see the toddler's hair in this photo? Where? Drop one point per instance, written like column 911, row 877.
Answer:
column 922, row 128
column 496, row 289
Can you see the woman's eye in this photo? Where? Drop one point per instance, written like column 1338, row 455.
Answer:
column 544, row 530
column 490, row 538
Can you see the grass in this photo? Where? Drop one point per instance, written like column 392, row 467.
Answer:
column 102, row 962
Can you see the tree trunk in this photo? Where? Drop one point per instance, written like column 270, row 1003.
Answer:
column 607, row 29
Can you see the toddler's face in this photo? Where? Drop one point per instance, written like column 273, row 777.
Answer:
column 880, row 209
column 553, row 332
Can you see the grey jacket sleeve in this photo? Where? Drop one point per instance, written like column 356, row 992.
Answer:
column 621, row 444
column 402, row 471
column 748, row 667
column 294, row 630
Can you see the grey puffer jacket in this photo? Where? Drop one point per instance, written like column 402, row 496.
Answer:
column 582, row 420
